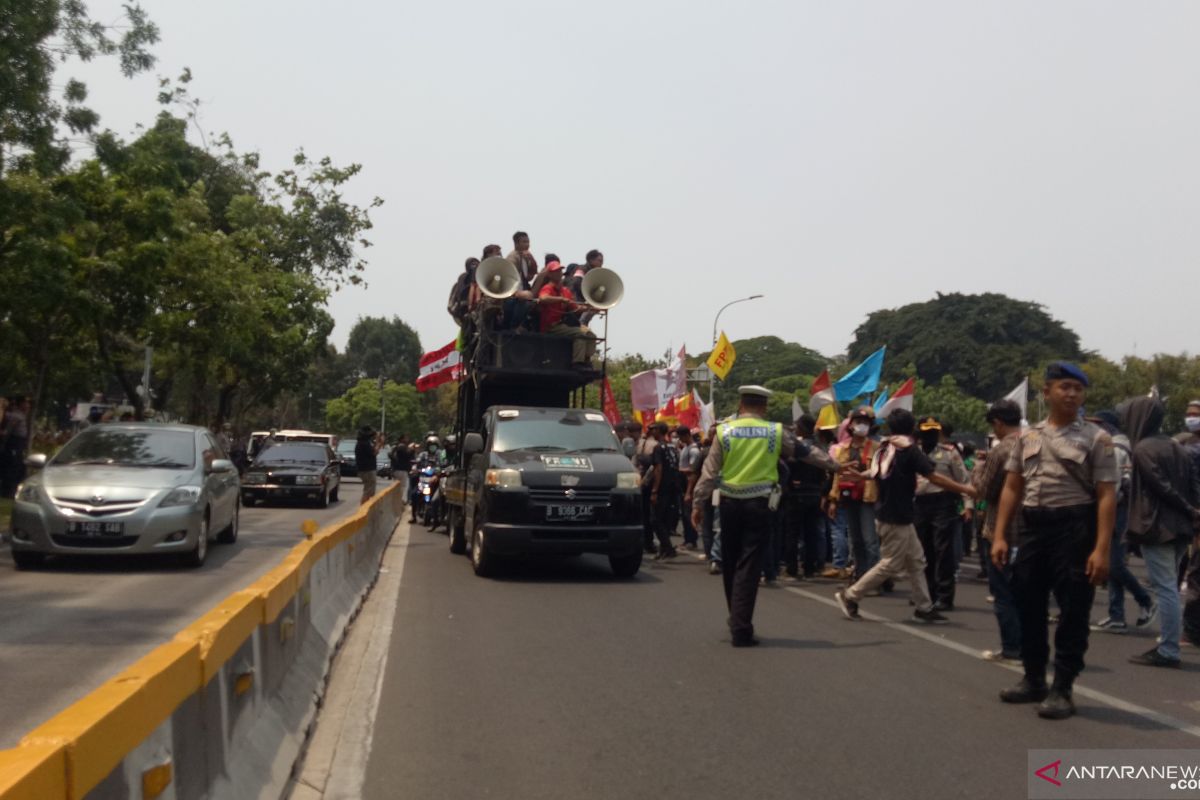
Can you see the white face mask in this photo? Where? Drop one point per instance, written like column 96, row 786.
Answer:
column 1192, row 424
column 860, row 429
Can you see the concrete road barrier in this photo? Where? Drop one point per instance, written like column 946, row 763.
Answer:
column 222, row 711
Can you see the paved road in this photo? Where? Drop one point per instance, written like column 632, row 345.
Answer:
column 66, row 628
column 558, row 681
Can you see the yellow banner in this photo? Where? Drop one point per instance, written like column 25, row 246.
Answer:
column 829, row 417
column 722, row 358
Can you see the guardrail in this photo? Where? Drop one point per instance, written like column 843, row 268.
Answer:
column 222, row 710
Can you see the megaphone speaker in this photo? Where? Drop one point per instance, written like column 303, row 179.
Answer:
column 497, row 277
column 602, row 288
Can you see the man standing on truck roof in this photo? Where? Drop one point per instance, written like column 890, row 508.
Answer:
column 556, row 300
column 744, row 461
column 517, row 307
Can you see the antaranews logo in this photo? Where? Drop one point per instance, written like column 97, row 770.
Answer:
column 1103, row 774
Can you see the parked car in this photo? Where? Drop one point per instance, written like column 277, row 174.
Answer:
column 127, row 488
column 348, row 466
column 293, row 471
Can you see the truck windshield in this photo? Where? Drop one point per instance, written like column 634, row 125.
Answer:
column 554, row 435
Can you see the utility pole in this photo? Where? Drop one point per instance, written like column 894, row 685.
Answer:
column 382, row 409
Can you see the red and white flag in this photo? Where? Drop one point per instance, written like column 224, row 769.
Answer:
column 440, row 366
column 609, row 405
column 821, row 394
column 903, row 398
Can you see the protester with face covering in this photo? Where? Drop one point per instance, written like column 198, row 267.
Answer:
column 855, row 494
column 1164, row 511
column 937, row 517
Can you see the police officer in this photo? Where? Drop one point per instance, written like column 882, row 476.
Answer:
column 937, row 519
column 1062, row 476
column 744, row 460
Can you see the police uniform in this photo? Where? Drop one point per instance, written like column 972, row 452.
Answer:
column 1061, row 468
column 743, row 464
column 938, row 523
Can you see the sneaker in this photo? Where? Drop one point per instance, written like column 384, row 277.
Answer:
column 991, row 598
column 848, row 606
column 689, row 546
column 834, row 572
column 1110, row 625
column 930, row 617
column 714, row 568
column 1146, row 615
column 1153, row 658
column 1000, row 657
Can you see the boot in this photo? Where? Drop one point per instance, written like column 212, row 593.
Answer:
column 1029, row 690
column 1058, row 703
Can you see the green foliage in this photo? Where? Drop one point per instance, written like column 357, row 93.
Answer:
column 763, row 359
column 1176, row 376
column 382, row 347
column 988, row 342
column 37, row 35
column 946, row 401
column 360, row 406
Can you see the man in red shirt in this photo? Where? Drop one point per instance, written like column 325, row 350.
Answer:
column 555, row 300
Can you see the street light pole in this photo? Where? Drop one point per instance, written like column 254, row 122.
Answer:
column 712, row 378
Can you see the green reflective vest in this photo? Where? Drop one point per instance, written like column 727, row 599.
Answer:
column 751, row 449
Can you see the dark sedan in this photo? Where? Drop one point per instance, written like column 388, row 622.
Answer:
column 345, row 454
column 295, row 471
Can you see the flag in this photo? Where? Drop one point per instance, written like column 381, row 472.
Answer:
column 828, row 419
column 608, row 404
column 880, row 402
column 643, row 390
column 687, row 408
column 720, row 361
column 667, row 413
column 439, row 366
column 821, row 393
column 707, row 417
column 862, row 379
column 1020, row 396
column 903, row 398
column 673, row 380
column 797, row 409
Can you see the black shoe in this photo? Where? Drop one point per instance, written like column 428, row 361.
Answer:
column 848, row 606
column 981, row 576
column 1027, row 691
column 942, row 605
column 745, row 641
column 1153, row 658
column 663, row 555
column 650, row 549
column 930, row 617
column 1058, row 704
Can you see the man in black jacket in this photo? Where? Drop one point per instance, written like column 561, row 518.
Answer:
column 1164, row 509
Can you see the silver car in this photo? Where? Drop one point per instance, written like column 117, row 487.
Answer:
column 127, row 488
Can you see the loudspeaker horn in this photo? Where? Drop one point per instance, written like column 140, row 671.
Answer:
column 497, row 277
column 602, row 288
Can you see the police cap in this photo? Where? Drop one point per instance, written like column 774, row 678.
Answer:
column 752, row 390
column 1065, row 370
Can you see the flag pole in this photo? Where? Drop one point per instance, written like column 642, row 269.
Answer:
column 712, row 380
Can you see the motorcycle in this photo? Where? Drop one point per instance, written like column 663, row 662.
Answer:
column 428, row 495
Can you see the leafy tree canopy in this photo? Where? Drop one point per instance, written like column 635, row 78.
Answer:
column 379, row 346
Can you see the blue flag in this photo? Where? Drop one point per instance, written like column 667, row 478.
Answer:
column 881, row 401
column 862, row 379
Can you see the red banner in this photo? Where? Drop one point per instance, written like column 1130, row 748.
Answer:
column 440, row 366
column 609, row 404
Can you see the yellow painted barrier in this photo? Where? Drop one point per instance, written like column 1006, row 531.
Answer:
column 71, row 753
column 34, row 772
column 99, row 730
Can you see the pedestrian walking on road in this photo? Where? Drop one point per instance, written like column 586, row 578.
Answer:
column 365, row 452
column 1062, row 478
column 895, row 468
column 743, row 463
column 1163, row 512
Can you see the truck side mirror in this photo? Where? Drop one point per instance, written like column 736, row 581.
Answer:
column 472, row 444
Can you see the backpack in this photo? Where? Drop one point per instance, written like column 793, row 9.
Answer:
column 460, row 292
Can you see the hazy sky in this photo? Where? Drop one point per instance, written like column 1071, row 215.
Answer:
column 836, row 157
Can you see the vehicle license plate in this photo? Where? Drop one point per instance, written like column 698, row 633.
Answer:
column 95, row 529
column 561, row 513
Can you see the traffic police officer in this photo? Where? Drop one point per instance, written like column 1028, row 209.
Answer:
column 1062, row 476
column 744, row 459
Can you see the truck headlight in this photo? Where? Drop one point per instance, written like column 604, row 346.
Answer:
column 627, row 480
column 503, row 478
column 183, row 496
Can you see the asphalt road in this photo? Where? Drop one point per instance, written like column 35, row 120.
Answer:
column 69, row 626
column 557, row 680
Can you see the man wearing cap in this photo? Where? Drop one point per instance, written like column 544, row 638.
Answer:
column 1062, row 478
column 744, row 462
column 937, row 513
column 556, row 300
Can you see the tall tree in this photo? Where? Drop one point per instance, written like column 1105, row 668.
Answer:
column 987, row 342
column 381, row 347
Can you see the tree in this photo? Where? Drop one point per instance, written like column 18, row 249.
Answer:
column 360, row 406
column 382, row 347
column 760, row 360
column 35, row 36
column 1177, row 378
column 987, row 342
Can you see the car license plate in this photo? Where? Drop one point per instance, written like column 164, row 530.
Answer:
column 566, row 513
column 95, row 529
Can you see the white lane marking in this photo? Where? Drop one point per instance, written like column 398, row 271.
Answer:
column 353, row 749
column 921, row 632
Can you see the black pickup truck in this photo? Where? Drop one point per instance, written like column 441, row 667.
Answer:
column 538, row 472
